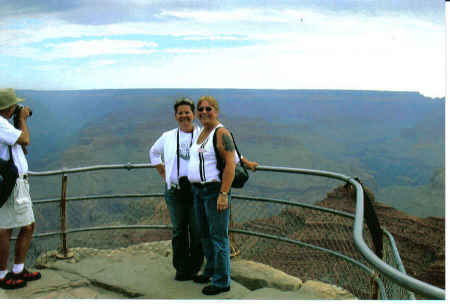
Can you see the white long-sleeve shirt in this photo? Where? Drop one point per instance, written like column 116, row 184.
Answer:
column 166, row 147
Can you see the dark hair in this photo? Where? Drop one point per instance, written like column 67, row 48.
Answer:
column 184, row 101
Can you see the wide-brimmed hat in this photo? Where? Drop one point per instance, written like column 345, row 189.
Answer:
column 8, row 98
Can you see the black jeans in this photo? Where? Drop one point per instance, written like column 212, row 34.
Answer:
column 186, row 243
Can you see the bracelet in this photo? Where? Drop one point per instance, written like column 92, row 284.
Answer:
column 223, row 193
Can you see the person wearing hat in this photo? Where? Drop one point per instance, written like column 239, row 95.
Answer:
column 17, row 212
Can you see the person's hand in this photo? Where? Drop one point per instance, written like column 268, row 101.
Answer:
column 252, row 165
column 161, row 171
column 24, row 113
column 222, row 203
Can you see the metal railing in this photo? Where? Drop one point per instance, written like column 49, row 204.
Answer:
column 395, row 275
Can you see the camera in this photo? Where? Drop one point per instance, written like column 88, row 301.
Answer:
column 184, row 183
column 17, row 113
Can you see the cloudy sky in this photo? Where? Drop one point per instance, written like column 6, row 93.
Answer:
column 327, row 44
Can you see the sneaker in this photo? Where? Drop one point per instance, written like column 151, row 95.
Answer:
column 27, row 275
column 10, row 281
column 213, row 290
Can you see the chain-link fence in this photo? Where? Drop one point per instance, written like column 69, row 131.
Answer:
column 390, row 256
column 303, row 240
column 322, row 239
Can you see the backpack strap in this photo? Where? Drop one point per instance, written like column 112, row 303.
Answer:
column 9, row 173
column 220, row 162
column 10, row 154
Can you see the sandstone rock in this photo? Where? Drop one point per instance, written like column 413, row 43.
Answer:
column 50, row 282
column 138, row 276
column 85, row 293
column 163, row 248
column 123, row 273
column 255, row 275
column 325, row 291
column 435, row 273
column 309, row 293
column 275, row 294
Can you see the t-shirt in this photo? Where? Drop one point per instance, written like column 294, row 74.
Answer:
column 184, row 151
column 8, row 136
column 203, row 165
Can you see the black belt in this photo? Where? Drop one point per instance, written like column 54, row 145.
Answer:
column 206, row 184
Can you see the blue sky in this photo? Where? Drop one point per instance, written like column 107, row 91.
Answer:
column 328, row 44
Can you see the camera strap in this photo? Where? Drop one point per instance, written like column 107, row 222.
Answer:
column 10, row 153
column 178, row 149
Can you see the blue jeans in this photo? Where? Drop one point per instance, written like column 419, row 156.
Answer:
column 186, row 244
column 214, row 233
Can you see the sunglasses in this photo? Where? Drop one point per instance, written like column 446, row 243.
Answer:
column 200, row 109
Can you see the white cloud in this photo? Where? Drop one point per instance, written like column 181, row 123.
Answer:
column 99, row 47
column 53, row 30
column 290, row 49
column 273, row 23
column 49, row 68
column 261, row 68
column 216, row 37
column 186, row 51
column 102, row 63
column 83, row 48
column 237, row 15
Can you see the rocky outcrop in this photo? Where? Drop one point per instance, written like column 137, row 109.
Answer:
column 310, row 290
column 420, row 241
column 320, row 289
column 145, row 271
column 255, row 275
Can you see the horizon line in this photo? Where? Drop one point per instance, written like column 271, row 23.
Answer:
column 243, row 89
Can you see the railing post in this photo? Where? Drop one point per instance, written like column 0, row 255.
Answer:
column 64, row 252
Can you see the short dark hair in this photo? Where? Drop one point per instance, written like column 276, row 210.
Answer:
column 184, row 101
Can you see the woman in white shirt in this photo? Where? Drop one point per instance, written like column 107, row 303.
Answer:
column 211, row 190
column 174, row 147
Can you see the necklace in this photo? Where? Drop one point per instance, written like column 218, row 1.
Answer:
column 205, row 133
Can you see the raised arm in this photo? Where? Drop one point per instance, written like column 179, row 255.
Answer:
column 24, row 138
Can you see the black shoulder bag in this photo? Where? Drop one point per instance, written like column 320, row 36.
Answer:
column 183, row 182
column 240, row 173
column 9, row 175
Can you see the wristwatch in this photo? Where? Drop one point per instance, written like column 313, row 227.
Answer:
column 223, row 193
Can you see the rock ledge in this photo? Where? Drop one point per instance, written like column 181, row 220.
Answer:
column 145, row 271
